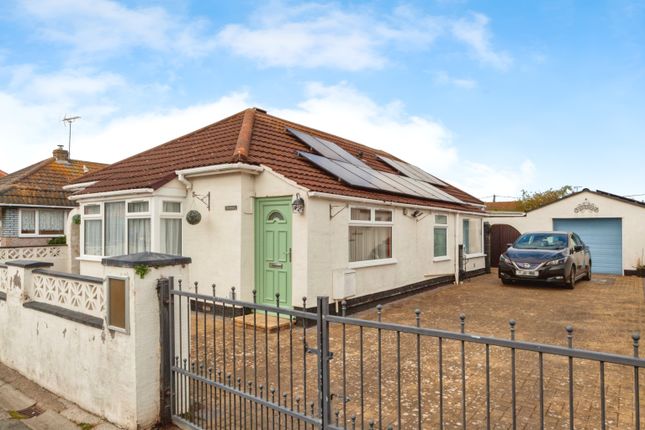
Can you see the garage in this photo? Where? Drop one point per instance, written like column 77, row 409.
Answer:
column 604, row 238
column 612, row 226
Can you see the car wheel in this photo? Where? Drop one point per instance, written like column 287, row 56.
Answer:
column 571, row 282
column 588, row 277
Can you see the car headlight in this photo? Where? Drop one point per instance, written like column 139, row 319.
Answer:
column 505, row 259
column 556, row 262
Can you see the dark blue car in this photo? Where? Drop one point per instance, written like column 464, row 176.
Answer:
column 555, row 256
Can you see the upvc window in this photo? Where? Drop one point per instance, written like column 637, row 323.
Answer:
column 440, row 236
column 116, row 228
column 370, row 234
column 138, row 226
column 472, row 235
column 42, row 222
column 171, row 228
column 92, row 230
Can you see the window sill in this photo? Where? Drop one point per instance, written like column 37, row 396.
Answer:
column 438, row 259
column 36, row 236
column 94, row 258
column 371, row 263
column 478, row 255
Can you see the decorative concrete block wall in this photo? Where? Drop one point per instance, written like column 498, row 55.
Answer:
column 53, row 330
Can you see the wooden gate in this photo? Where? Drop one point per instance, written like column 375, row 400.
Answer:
column 500, row 236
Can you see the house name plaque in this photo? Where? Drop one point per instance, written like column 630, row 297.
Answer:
column 586, row 206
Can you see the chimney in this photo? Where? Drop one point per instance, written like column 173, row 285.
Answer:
column 61, row 155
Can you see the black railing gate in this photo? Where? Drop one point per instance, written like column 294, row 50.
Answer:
column 229, row 364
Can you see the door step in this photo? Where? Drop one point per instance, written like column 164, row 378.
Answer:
column 273, row 322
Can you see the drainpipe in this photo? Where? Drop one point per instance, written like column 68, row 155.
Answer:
column 457, row 269
column 181, row 178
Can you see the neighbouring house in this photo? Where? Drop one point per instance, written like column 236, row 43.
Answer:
column 612, row 226
column 2, row 173
column 261, row 203
column 33, row 204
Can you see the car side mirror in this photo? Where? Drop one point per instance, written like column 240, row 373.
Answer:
column 578, row 248
column 508, row 245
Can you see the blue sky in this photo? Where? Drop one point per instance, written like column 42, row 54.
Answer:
column 493, row 96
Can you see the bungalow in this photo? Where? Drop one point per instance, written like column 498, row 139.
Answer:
column 611, row 225
column 261, row 203
column 33, row 204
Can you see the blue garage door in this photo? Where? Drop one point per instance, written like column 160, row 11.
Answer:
column 604, row 238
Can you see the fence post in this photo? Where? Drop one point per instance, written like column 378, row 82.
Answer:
column 322, row 330
column 163, row 288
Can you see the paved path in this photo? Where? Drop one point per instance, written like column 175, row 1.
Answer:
column 26, row 406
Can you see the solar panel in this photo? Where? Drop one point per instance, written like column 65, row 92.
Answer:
column 426, row 189
column 411, row 171
column 366, row 177
column 326, row 148
column 338, row 169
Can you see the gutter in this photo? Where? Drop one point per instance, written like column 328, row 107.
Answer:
column 217, row 169
column 113, row 193
column 328, row 196
column 35, row 206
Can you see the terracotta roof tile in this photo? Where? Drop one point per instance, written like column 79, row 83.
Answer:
column 41, row 183
column 258, row 138
column 3, row 173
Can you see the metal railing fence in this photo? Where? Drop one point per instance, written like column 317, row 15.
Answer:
column 238, row 364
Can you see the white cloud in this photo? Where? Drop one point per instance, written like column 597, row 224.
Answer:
column 482, row 180
column 66, row 84
column 315, row 35
column 443, row 78
column 475, row 33
column 107, row 27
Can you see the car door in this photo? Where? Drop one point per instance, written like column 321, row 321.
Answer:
column 578, row 252
column 586, row 255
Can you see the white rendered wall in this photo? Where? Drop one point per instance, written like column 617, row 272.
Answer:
column 109, row 373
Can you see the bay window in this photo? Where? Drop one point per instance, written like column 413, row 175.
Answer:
column 440, row 236
column 370, row 234
column 42, row 222
column 126, row 227
column 472, row 235
column 116, row 228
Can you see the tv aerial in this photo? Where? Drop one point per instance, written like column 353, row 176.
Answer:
column 68, row 120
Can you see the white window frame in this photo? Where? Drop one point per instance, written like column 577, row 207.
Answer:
column 90, row 217
column 172, row 215
column 128, row 215
column 371, row 223
column 136, row 215
column 481, row 236
column 36, row 221
column 126, row 280
column 442, row 226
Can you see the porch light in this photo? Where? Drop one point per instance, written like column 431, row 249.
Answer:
column 298, row 205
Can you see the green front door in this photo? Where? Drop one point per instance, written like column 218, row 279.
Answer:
column 273, row 250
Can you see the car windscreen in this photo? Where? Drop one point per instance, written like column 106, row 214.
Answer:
column 541, row 241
